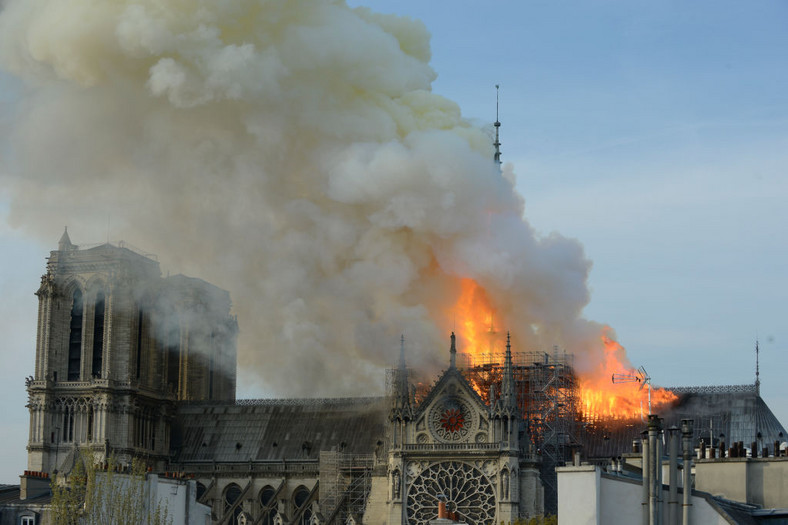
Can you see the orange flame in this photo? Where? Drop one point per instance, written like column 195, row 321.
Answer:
column 474, row 319
column 598, row 396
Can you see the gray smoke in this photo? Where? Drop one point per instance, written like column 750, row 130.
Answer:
column 291, row 152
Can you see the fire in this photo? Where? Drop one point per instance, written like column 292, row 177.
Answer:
column 600, row 398
column 474, row 317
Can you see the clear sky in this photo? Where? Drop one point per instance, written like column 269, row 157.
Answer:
column 655, row 133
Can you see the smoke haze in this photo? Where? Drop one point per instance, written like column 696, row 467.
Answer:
column 291, row 152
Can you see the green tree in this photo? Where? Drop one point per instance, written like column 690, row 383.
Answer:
column 95, row 494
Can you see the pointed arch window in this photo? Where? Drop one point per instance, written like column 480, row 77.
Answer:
column 75, row 338
column 231, row 495
column 173, row 351
column 98, row 335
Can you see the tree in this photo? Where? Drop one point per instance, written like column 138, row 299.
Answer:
column 98, row 494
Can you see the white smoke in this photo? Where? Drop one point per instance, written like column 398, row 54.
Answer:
column 292, row 152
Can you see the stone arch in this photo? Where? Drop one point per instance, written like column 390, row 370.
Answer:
column 267, row 505
column 300, row 496
column 231, row 495
column 201, row 488
column 505, row 488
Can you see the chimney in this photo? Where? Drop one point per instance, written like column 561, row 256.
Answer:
column 686, row 437
column 644, row 467
column 654, row 470
column 673, row 472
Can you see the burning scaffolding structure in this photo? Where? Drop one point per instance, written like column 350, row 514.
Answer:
column 547, row 396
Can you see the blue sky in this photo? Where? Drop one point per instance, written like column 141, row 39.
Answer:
column 656, row 133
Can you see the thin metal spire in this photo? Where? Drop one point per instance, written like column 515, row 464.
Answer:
column 508, row 394
column 402, row 351
column 453, row 352
column 757, row 369
column 497, row 125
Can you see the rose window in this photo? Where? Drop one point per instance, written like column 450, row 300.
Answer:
column 467, row 492
column 451, row 420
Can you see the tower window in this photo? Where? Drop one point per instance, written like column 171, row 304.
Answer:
column 98, row 335
column 173, row 357
column 140, row 319
column 68, row 425
column 75, row 338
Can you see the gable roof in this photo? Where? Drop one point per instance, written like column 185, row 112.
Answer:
column 451, row 374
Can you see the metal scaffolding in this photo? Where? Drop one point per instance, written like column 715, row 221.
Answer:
column 345, row 482
column 547, row 394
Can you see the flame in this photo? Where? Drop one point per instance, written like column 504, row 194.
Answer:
column 600, row 398
column 474, row 317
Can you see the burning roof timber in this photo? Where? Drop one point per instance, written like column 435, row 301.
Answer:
column 727, row 413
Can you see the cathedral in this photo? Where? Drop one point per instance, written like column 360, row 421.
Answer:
column 131, row 364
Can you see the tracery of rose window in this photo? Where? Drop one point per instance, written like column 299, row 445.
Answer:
column 467, row 492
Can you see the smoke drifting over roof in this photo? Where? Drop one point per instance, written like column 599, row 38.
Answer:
column 293, row 153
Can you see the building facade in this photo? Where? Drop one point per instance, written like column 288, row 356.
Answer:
column 117, row 347
column 133, row 365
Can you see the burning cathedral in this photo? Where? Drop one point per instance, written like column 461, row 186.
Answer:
column 131, row 364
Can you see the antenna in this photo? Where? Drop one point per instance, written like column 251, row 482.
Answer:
column 497, row 125
column 638, row 376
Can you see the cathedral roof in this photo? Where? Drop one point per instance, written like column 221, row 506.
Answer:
column 728, row 413
column 278, row 429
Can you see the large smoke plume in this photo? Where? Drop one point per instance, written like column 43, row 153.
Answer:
column 292, row 152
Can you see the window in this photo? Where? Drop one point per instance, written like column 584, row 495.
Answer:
column 27, row 520
column 300, row 496
column 140, row 319
column 200, row 490
column 98, row 335
column 75, row 338
column 267, row 505
column 173, row 350
column 231, row 495
column 68, row 424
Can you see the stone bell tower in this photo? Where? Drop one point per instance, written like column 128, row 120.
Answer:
column 117, row 345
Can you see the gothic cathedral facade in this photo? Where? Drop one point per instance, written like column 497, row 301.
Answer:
column 131, row 364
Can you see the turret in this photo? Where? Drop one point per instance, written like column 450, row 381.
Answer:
column 401, row 407
column 64, row 244
column 508, row 395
